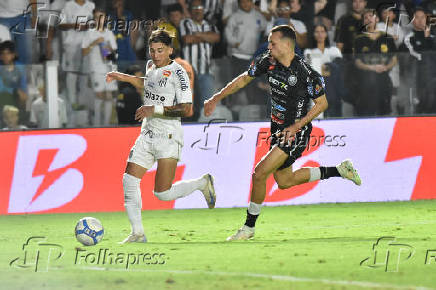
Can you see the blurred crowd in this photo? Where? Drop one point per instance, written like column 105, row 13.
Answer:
column 378, row 58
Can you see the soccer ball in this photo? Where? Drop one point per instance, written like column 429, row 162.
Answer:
column 89, row 231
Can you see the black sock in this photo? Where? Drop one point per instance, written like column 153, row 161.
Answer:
column 327, row 172
column 251, row 220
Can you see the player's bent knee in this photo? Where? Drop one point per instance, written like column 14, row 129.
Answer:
column 163, row 195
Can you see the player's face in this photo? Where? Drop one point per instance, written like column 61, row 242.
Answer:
column 278, row 46
column 160, row 53
column 320, row 34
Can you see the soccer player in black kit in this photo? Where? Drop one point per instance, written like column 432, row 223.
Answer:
column 293, row 84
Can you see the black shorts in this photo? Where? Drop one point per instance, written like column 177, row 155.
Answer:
column 297, row 146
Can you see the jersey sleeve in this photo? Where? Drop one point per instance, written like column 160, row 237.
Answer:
column 316, row 85
column 183, row 92
column 259, row 65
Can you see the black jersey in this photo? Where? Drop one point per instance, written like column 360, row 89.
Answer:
column 291, row 88
column 347, row 29
column 374, row 51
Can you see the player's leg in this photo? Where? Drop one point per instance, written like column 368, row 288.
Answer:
column 164, row 189
column 268, row 165
column 138, row 162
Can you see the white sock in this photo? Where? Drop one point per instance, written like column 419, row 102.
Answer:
column 315, row 174
column 133, row 202
column 97, row 111
column 107, row 112
column 181, row 189
column 254, row 208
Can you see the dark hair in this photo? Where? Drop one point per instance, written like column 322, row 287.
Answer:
column 160, row 35
column 286, row 1
column 174, row 7
column 314, row 43
column 9, row 45
column 99, row 8
column 191, row 5
column 419, row 8
column 132, row 69
column 286, row 31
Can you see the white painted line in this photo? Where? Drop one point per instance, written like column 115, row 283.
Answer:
column 364, row 284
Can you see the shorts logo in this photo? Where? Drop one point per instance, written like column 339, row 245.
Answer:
column 292, row 80
column 183, row 82
column 166, row 73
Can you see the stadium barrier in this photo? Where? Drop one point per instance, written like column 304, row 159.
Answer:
column 80, row 170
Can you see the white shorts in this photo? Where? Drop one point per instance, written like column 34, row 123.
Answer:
column 148, row 149
column 72, row 59
column 99, row 83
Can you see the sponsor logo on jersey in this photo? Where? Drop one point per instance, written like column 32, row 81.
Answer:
column 278, row 83
column 318, row 88
column 252, row 68
column 163, row 82
column 183, row 81
column 154, row 97
column 271, row 67
column 310, row 89
column 322, row 81
column 277, row 120
column 292, row 80
column 166, row 73
column 278, row 91
column 150, row 84
column 277, row 106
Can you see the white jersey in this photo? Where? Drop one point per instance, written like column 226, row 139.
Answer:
column 166, row 86
column 74, row 13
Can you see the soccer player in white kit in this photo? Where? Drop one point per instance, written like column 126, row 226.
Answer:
column 167, row 98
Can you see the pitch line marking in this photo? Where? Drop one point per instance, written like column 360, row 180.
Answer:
column 364, row 284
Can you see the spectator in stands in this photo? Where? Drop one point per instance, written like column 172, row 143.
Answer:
column 11, row 118
column 347, row 28
column 13, row 80
column 374, row 58
column 19, row 17
column 4, row 33
column 126, row 37
column 243, row 32
column 322, row 57
column 39, row 111
column 75, row 13
column 166, row 3
column 283, row 11
column 129, row 98
column 388, row 26
column 53, row 45
column 100, row 45
column 172, row 26
column 421, row 44
column 198, row 36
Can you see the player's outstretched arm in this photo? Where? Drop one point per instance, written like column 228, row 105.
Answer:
column 232, row 87
column 179, row 110
column 135, row 81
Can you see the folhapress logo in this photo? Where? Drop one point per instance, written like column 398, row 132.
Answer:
column 38, row 254
column 388, row 254
column 42, row 176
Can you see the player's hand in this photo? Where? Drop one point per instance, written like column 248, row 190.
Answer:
column 110, row 76
column 99, row 40
column 288, row 134
column 209, row 106
column 379, row 68
column 144, row 112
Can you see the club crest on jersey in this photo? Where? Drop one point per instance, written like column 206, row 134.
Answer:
column 163, row 82
column 166, row 73
column 292, row 80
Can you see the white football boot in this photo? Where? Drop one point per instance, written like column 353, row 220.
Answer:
column 244, row 233
column 347, row 171
column 134, row 238
column 209, row 191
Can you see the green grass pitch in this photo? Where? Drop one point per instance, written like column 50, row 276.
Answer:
column 295, row 247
